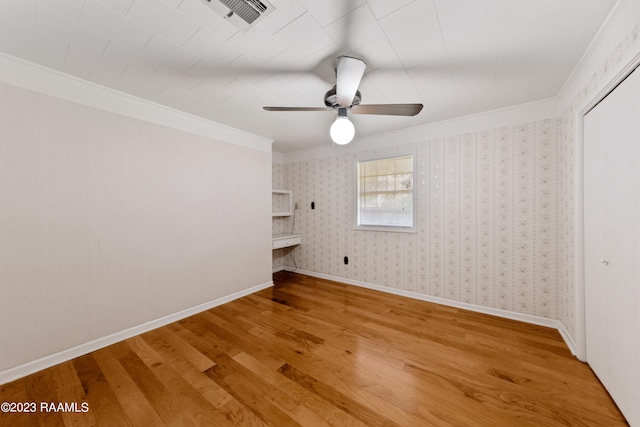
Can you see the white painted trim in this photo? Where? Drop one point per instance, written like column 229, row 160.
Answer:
column 26, row 75
column 527, row 318
column 611, row 84
column 587, row 105
column 82, row 349
column 510, row 116
column 277, row 158
column 568, row 339
column 578, row 241
column 593, row 46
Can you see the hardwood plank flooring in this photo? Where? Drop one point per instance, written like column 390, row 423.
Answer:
column 313, row 352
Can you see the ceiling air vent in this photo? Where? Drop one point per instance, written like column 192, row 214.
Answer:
column 244, row 14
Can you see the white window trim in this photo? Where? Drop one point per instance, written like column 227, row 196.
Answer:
column 414, row 195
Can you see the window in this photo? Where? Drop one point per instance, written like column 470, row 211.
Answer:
column 385, row 194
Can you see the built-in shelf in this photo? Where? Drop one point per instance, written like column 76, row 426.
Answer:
column 281, row 203
column 282, row 206
column 285, row 240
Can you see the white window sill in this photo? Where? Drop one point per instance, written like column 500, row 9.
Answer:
column 387, row 228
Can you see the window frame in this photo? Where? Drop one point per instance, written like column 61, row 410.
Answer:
column 356, row 197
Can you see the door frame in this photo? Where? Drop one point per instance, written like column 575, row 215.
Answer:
column 579, row 249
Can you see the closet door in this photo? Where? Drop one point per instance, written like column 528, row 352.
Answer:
column 612, row 243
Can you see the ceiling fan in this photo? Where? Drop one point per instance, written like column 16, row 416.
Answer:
column 346, row 96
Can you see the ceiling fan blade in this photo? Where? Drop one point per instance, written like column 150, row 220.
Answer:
column 348, row 75
column 298, row 108
column 388, row 109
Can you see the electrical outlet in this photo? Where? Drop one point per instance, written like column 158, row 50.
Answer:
column 346, row 260
column 297, row 206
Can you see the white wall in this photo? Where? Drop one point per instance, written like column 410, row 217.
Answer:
column 109, row 222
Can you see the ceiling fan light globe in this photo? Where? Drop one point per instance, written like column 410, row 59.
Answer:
column 342, row 131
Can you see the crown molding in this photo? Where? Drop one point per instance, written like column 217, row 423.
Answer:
column 509, row 116
column 618, row 20
column 595, row 42
column 36, row 78
column 277, row 157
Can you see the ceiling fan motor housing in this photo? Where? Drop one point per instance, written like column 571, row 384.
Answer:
column 331, row 98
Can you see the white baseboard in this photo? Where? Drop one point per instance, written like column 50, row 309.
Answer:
column 82, row 349
column 284, row 268
column 527, row 318
column 69, row 354
column 568, row 339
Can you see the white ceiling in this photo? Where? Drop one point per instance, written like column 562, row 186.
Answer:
column 457, row 57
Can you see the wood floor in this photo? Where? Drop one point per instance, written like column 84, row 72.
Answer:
column 312, row 352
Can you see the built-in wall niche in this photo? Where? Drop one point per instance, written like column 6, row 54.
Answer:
column 282, row 206
column 281, row 203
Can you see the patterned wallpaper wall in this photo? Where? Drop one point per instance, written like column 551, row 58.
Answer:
column 489, row 220
column 496, row 224
column 566, row 230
